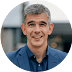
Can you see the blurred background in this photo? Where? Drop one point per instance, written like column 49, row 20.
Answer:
column 12, row 37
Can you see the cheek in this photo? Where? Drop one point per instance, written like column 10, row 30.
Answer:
column 28, row 32
column 45, row 31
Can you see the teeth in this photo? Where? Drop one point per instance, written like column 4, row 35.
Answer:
column 38, row 37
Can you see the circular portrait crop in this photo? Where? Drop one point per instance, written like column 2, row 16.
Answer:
column 36, row 36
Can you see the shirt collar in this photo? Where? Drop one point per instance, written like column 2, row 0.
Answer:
column 30, row 54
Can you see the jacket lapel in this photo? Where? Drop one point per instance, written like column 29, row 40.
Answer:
column 24, row 62
column 52, row 58
column 23, row 59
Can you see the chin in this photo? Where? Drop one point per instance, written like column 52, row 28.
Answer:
column 37, row 44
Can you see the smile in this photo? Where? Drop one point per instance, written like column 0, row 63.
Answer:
column 37, row 36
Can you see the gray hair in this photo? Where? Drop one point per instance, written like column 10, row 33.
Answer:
column 37, row 9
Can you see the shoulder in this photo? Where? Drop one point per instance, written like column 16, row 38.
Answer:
column 12, row 55
column 57, row 53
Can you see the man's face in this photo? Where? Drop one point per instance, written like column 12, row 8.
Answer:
column 37, row 29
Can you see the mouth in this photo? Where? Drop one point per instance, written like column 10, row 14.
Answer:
column 37, row 37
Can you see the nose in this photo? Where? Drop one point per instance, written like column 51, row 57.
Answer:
column 37, row 29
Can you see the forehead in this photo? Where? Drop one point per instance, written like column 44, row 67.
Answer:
column 37, row 17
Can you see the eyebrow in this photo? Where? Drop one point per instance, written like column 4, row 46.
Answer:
column 30, row 22
column 43, row 22
column 40, row 22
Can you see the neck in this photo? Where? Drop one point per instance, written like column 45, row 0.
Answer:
column 39, row 52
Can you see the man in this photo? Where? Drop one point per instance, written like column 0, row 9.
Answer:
column 36, row 55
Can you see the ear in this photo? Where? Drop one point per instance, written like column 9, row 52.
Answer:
column 23, row 29
column 50, row 28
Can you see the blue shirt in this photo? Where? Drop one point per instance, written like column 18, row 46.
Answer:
column 34, row 65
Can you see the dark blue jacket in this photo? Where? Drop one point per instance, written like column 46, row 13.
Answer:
column 20, row 58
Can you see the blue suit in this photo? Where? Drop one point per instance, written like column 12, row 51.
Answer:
column 20, row 58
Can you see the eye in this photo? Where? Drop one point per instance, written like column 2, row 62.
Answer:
column 31, row 24
column 42, row 24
